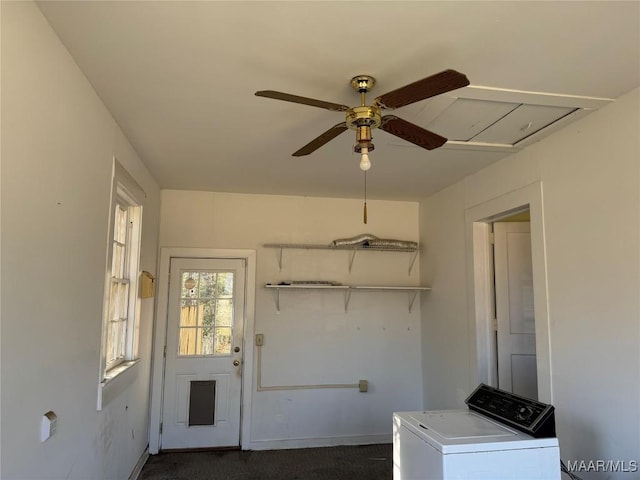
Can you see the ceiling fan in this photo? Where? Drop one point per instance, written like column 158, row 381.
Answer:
column 365, row 118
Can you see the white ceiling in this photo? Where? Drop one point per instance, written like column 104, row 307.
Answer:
column 179, row 77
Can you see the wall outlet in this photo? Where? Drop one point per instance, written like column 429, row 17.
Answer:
column 259, row 339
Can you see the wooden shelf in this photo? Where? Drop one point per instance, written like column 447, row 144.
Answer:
column 347, row 289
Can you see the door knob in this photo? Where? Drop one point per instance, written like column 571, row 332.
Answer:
column 236, row 363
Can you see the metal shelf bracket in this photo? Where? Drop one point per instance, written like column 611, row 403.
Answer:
column 347, row 298
column 353, row 256
column 276, row 297
column 412, row 298
column 413, row 259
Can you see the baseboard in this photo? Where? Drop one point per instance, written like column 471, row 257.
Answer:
column 318, row 442
column 138, row 468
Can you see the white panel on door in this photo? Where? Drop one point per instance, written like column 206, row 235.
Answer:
column 523, row 375
column 222, row 397
column 183, row 384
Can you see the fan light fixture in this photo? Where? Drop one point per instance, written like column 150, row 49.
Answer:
column 363, row 139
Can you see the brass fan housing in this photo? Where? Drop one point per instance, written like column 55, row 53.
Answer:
column 363, row 117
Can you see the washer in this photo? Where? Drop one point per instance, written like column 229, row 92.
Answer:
column 465, row 444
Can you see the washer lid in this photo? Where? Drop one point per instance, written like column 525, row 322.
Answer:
column 462, row 425
column 460, row 431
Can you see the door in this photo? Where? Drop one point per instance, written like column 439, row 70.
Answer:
column 203, row 357
column 516, row 339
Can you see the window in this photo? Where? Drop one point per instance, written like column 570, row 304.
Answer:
column 120, row 318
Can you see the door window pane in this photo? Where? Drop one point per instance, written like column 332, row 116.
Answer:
column 206, row 341
column 187, row 341
column 223, row 341
column 224, row 312
column 206, row 313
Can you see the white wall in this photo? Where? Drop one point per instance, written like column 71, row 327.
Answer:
column 58, row 144
column 312, row 340
column 591, row 205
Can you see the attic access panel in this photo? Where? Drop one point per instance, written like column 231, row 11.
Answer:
column 463, row 119
column 522, row 122
column 496, row 122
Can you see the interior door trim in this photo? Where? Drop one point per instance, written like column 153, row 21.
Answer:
column 160, row 331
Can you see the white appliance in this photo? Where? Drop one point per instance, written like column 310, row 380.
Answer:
column 467, row 445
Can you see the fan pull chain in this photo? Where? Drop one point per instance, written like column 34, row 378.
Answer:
column 365, row 198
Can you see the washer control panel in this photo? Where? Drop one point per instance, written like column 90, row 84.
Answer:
column 529, row 416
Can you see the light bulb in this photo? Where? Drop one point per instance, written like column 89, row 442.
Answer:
column 365, row 163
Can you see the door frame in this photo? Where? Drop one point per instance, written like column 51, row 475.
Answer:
column 160, row 335
column 480, row 292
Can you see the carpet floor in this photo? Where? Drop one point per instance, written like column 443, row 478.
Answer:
column 362, row 462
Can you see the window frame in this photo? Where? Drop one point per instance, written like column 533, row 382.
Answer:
column 128, row 195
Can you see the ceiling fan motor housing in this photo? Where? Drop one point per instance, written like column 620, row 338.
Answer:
column 363, row 120
column 363, row 117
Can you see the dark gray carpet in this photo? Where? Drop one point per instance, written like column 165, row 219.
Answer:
column 362, row 462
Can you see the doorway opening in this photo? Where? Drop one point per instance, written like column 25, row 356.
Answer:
column 508, row 298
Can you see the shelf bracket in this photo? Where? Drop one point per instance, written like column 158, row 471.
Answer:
column 413, row 259
column 347, row 298
column 353, row 256
column 276, row 298
column 280, row 259
column 412, row 298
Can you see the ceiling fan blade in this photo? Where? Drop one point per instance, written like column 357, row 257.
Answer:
column 411, row 133
column 442, row 82
column 317, row 142
column 287, row 97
